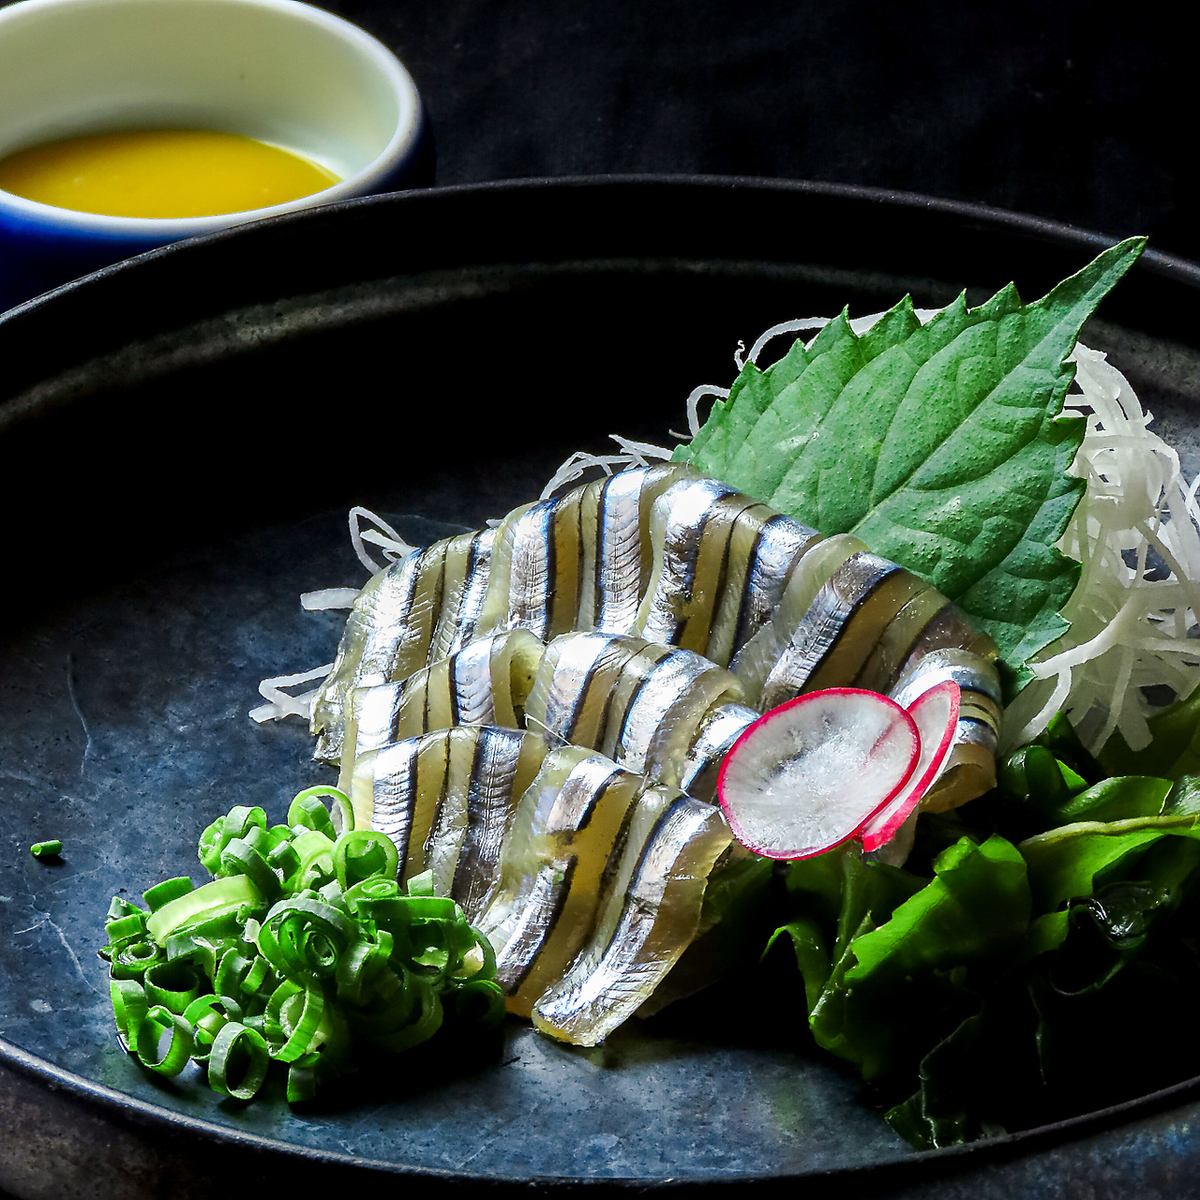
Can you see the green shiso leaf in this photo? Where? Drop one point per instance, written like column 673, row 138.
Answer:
column 942, row 446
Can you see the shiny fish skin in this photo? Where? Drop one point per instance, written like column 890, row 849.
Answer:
column 639, row 703
column 722, row 725
column 810, row 572
column 650, row 916
column 464, row 844
column 617, row 557
column 465, row 592
column 657, row 727
column 552, row 869
column 847, row 615
column 485, row 683
column 365, row 650
column 572, row 690
column 779, row 543
column 419, row 791
column 690, row 527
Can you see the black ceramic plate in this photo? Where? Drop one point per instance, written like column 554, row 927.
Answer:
column 179, row 440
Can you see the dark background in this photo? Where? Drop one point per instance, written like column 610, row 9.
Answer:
column 1054, row 108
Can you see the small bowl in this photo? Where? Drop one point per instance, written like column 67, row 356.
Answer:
column 277, row 70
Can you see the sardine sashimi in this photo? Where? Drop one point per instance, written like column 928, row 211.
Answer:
column 485, row 683
column 721, row 726
column 834, row 638
column 550, row 877
column 572, row 692
column 616, row 556
column 810, row 572
column 650, row 915
column 468, row 566
column 483, row 789
column 691, row 524
column 401, row 790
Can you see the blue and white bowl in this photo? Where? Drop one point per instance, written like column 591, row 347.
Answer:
column 277, row 70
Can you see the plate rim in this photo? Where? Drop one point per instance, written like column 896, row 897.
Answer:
column 1162, row 263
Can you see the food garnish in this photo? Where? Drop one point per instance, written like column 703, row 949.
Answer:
column 50, row 848
column 303, row 951
column 939, row 443
column 808, row 775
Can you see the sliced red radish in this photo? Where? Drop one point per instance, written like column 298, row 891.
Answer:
column 935, row 714
column 806, row 775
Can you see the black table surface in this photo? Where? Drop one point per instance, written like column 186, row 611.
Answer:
column 1055, row 109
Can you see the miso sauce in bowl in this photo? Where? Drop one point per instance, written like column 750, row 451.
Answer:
column 162, row 173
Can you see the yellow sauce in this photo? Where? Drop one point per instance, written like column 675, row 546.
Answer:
column 161, row 173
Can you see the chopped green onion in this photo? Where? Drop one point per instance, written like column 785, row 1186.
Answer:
column 48, row 849
column 238, row 1054
column 164, row 1041
column 121, row 929
column 131, row 960
column 302, row 1078
column 362, row 854
column 165, row 892
column 303, row 949
column 222, row 897
column 130, row 1006
column 241, row 858
column 302, row 812
column 172, row 985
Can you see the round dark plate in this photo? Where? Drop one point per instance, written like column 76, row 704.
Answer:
column 179, row 440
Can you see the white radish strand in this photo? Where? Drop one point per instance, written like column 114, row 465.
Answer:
column 279, row 703
column 807, row 775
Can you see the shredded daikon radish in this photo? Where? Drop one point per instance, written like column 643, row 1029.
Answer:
column 324, row 599
column 632, row 454
column 383, row 535
column 279, row 703
column 1134, row 613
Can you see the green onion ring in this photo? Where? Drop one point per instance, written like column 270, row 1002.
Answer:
column 129, row 1006
column 342, row 817
column 213, row 901
column 171, row 985
column 172, row 1059
column 131, row 960
column 428, row 1022
column 480, row 1001
column 132, row 925
column 233, row 1040
column 168, row 890
column 421, row 885
column 240, row 858
column 299, row 1029
column 302, row 1078
column 363, row 853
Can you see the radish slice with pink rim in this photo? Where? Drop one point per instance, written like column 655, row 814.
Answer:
column 808, row 775
column 935, row 714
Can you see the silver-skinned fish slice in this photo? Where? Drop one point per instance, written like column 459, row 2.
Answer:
column 563, row 837
column 418, row 791
column 651, row 913
column 485, row 683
